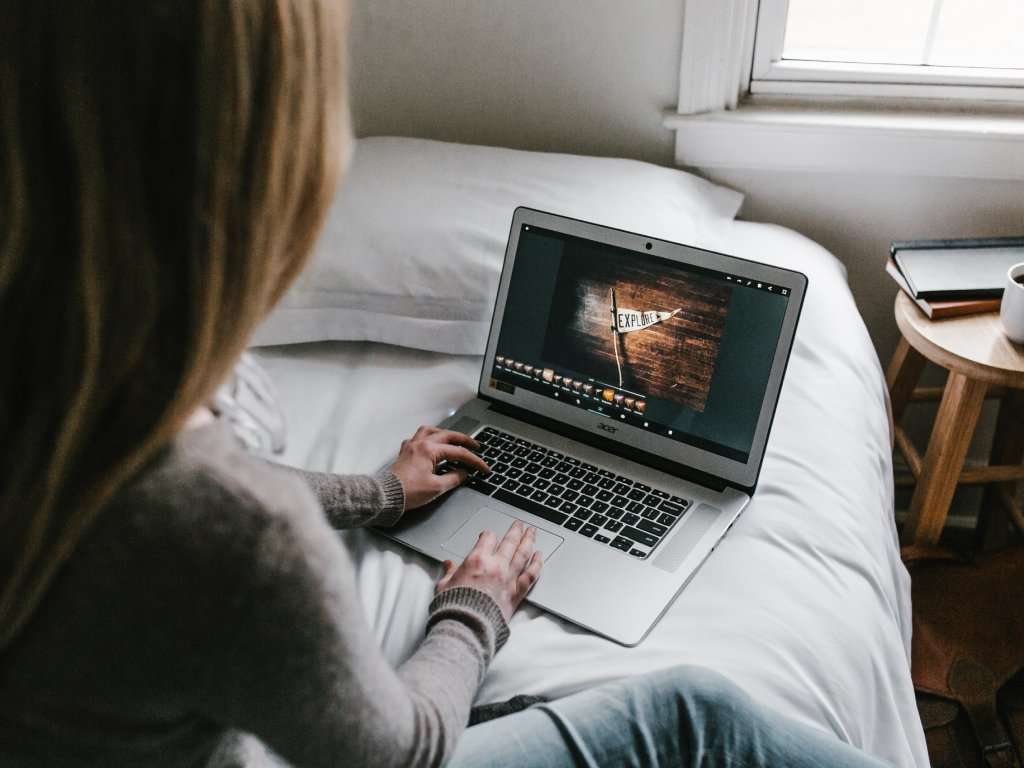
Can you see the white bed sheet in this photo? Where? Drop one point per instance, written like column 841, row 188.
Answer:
column 805, row 604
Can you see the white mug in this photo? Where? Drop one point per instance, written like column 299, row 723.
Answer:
column 1011, row 312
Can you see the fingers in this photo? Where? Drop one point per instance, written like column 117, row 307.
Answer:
column 511, row 540
column 529, row 576
column 455, row 438
column 524, row 551
column 451, row 480
column 465, row 457
column 484, row 544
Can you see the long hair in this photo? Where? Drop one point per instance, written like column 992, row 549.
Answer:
column 164, row 168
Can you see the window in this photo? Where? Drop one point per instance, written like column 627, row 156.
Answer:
column 970, row 49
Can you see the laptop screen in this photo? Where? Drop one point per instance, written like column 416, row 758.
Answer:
column 678, row 350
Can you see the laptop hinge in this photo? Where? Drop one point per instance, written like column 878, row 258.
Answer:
column 618, row 449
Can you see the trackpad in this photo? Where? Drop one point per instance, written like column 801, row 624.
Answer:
column 464, row 539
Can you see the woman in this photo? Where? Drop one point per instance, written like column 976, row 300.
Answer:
column 164, row 169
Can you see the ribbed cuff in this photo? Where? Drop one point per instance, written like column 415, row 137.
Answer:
column 394, row 499
column 470, row 606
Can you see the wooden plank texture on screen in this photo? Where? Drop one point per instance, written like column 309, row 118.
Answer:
column 672, row 360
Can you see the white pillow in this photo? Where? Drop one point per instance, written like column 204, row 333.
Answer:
column 413, row 244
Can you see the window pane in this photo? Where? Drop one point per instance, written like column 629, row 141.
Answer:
column 868, row 31
column 966, row 33
column 980, row 33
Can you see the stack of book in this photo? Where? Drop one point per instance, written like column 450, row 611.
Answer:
column 948, row 278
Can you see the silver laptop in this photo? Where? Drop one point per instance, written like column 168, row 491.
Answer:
column 626, row 396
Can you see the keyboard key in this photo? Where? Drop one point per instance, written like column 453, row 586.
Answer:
column 651, row 500
column 621, row 543
column 514, row 473
column 550, row 462
column 582, row 514
column 615, row 512
column 546, row 473
column 584, row 501
column 518, row 463
column 539, row 496
column 601, row 538
column 522, row 451
column 589, row 489
column 630, row 519
column 606, row 483
column 599, row 520
column 556, row 454
column 589, row 467
column 621, row 489
column 619, row 501
column 541, row 485
column 613, row 525
column 530, row 506
column 511, row 485
column 660, row 494
column 563, row 466
column 571, row 495
column 500, row 467
column 578, row 472
column 604, row 495
column 533, row 468
column 641, row 486
column 536, row 455
column 651, row 527
column 588, row 529
column 555, row 490
column 571, row 460
column 649, row 512
column 623, row 480
column 633, row 506
column 561, row 478
column 527, row 478
column 575, row 484
column 592, row 477
column 637, row 494
column 482, row 485
column 640, row 537
column 573, row 523
column 666, row 519
column 638, row 553
column 599, row 506
column 679, row 501
column 605, row 473
column 671, row 507
column 568, row 507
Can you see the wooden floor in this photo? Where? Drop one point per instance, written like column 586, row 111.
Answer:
column 673, row 360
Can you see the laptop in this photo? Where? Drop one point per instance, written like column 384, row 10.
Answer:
column 625, row 401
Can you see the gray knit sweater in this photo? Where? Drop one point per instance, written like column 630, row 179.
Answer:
column 210, row 618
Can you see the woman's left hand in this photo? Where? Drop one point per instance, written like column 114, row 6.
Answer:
column 418, row 459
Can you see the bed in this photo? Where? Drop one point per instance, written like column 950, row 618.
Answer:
column 806, row 603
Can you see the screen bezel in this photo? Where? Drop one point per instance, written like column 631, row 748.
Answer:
column 736, row 473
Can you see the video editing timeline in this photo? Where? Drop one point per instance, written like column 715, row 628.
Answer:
column 592, row 395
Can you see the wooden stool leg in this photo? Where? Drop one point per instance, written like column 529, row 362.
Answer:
column 902, row 375
column 947, row 448
column 1007, row 448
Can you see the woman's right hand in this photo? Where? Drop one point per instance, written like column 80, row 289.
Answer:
column 506, row 571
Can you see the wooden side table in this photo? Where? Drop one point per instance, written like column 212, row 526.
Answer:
column 982, row 363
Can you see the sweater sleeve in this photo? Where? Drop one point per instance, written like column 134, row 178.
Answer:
column 354, row 501
column 304, row 673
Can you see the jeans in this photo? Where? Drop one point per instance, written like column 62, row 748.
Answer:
column 683, row 716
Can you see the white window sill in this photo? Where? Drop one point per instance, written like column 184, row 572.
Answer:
column 834, row 137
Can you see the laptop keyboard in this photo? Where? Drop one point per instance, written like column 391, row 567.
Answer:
column 608, row 508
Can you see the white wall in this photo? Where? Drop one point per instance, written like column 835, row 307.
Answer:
column 583, row 76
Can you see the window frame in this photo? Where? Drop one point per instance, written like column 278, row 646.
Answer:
column 771, row 75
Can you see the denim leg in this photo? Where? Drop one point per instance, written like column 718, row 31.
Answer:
column 683, row 716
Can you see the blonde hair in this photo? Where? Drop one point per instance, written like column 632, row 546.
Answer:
column 164, row 170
